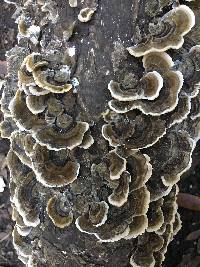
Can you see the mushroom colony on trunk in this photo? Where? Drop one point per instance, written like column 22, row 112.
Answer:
column 109, row 180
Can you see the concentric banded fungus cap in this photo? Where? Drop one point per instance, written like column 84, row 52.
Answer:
column 155, row 216
column 49, row 172
column 37, row 70
column 137, row 227
column 134, row 132
column 147, row 88
column 180, row 113
column 117, row 164
column 140, row 168
column 167, row 99
column 23, row 117
column 25, row 200
column 176, row 147
column 168, row 33
column 21, row 244
column 36, row 104
column 143, row 256
column 88, row 141
column 120, row 194
column 114, row 228
column 68, row 136
column 59, row 211
column 18, row 140
column 164, row 103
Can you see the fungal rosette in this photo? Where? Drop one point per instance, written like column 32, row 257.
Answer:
column 81, row 179
column 168, row 33
column 59, row 212
column 37, row 70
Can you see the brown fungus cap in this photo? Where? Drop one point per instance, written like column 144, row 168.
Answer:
column 88, row 141
column 121, row 192
column 40, row 78
column 137, row 227
column 59, row 212
column 48, row 172
column 25, row 200
column 140, row 168
column 37, row 70
column 134, row 131
column 117, row 164
column 37, row 91
column 36, row 104
column 23, row 117
column 189, row 65
column 155, row 215
column 148, row 88
column 114, row 229
column 168, row 33
column 21, row 244
column 70, row 137
column 143, row 256
column 176, row 147
column 18, row 140
column 35, row 61
column 164, row 103
column 180, row 113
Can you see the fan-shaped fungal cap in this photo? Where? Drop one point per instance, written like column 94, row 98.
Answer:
column 36, row 104
column 164, row 103
column 34, row 61
column 40, row 78
column 24, row 76
column 48, row 172
column 25, row 200
column 59, row 212
column 148, row 244
column 140, row 168
column 23, row 117
column 177, row 147
column 106, row 232
column 148, row 88
column 88, row 140
column 37, row 91
column 68, row 138
column 158, row 61
column 98, row 213
column 17, row 145
column 168, row 33
column 117, row 164
column 135, row 132
column 21, row 244
column 86, row 14
column 120, row 194
column 155, row 216
column 138, row 226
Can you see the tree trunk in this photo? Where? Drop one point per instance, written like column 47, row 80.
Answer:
column 96, row 53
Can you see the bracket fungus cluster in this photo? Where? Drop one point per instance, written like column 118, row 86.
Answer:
column 152, row 115
column 97, row 183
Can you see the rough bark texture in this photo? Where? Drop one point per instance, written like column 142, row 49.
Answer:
column 101, row 56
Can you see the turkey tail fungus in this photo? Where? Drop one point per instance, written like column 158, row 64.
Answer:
column 101, row 107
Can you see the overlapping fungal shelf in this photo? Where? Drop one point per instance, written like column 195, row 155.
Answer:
column 87, row 187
